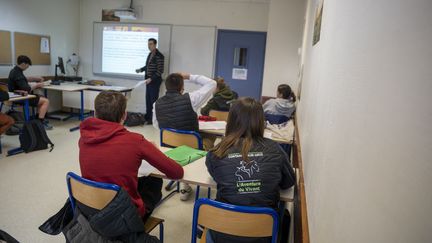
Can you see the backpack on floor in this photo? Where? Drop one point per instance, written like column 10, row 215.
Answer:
column 134, row 119
column 34, row 137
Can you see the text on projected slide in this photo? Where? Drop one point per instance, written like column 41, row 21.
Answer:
column 125, row 49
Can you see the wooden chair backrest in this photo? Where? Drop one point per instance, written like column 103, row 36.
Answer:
column 220, row 115
column 235, row 223
column 177, row 139
column 91, row 196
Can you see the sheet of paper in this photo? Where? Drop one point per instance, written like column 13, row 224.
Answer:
column 145, row 169
column 13, row 95
column 210, row 125
column 44, row 45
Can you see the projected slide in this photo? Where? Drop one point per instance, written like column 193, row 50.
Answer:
column 124, row 48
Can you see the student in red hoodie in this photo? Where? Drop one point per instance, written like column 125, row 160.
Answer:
column 110, row 153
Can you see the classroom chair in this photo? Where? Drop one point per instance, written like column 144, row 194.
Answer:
column 170, row 137
column 97, row 195
column 243, row 221
column 220, row 115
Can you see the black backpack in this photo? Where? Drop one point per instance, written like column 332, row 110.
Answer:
column 134, row 119
column 33, row 137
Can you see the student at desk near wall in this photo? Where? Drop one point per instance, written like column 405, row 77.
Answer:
column 244, row 155
column 19, row 83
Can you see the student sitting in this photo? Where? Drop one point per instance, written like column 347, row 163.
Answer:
column 244, row 155
column 19, row 83
column 108, row 152
column 284, row 104
column 5, row 121
column 179, row 111
column 222, row 98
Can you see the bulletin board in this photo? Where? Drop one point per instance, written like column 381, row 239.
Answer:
column 30, row 45
column 6, row 48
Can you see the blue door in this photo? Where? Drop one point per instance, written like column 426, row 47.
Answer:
column 240, row 60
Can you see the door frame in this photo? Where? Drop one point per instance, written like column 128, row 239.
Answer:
column 242, row 31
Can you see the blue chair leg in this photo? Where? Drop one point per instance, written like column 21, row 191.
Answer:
column 197, row 193
column 161, row 232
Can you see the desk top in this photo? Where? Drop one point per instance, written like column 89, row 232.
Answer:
column 71, row 86
column 267, row 133
column 196, row 174
column 18, row 98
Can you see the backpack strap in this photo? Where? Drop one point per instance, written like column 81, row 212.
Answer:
column 44, row 135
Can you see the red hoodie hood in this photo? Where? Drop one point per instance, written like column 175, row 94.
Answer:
column 95, row 130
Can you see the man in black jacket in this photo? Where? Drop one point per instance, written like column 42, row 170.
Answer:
column 153, row 76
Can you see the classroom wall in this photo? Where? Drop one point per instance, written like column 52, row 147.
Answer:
column 365, row 122
column 57, row 18
column 227, row 14
column 284, row 35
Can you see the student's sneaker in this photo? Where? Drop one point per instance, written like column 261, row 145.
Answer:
column 185, row 191
column 47, row 125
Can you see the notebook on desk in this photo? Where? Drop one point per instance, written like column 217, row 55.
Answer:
column 185, row 154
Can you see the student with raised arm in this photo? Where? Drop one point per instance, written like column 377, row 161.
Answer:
column 19, row 83
column 178, row 110
column 109, row 153
column 249, row 169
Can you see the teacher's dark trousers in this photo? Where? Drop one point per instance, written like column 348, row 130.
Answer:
column 152, row 94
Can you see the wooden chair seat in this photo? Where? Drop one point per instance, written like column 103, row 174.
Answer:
column 151, row 223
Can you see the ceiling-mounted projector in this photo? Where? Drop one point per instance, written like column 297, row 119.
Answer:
column 127, row 13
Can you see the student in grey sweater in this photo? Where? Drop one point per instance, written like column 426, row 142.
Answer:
column 284, row 104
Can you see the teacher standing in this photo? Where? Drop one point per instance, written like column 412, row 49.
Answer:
column 153, row 76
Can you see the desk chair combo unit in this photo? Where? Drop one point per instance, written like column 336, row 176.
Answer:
column 173, row 138
column 243, row 221
column 97, row 195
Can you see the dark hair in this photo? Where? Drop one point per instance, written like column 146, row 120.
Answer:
column 244, row 126
column 174, row 82
column 286, row 92
column 153, row 40
column 23, row 59
column 220, row 83
column 110, row 106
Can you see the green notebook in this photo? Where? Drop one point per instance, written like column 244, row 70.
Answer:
column 185, row 154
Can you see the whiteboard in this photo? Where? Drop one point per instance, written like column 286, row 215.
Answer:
column 193, row 50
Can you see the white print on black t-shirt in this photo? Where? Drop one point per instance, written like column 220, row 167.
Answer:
column 244, row 174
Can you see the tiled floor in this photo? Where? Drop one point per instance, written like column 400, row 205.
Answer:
column 32, row 188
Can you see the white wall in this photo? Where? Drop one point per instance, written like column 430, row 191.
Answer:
column 284, row 36
column 226, row 14
column 56, row 18
column 365, row 122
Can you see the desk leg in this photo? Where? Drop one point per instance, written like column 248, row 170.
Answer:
column 81, row 115
column 26, row 110
column 82, row 106
column 177, row 190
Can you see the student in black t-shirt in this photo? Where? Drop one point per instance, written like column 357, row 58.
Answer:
column 19, row 83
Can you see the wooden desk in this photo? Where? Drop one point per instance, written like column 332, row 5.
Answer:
column 289, row 140
column 196, row 174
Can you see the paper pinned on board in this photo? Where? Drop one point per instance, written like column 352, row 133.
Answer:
column 44, row 45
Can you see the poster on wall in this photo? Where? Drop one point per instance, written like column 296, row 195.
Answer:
column 239, row 73
column 317, row 24
column 108, row 15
